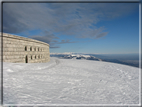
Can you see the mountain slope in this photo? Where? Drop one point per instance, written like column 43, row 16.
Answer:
column 66, row 81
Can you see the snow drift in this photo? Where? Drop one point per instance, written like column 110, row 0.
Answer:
column 70, row 81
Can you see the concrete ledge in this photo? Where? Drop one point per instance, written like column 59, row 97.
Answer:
column 22, row 38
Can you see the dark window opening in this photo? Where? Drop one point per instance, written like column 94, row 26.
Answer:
column 25, row 48
column 30, row 48
column 31, row 57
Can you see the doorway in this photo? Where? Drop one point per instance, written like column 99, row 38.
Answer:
column 26, row 59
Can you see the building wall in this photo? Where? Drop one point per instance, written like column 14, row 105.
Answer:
column 24, row 50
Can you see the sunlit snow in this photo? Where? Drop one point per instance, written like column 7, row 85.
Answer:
column 70, row 81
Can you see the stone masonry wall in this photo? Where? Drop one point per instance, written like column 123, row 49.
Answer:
column 24, row 50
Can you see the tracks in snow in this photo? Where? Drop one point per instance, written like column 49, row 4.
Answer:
column 54, row 64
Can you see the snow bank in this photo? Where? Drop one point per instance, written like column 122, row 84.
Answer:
column 65, row 81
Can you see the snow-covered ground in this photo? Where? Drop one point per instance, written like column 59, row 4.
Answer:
column 70, row 81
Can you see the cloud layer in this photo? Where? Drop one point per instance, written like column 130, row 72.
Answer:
column 71, row 19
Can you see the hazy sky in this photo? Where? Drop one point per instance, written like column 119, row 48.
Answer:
column 76, row 27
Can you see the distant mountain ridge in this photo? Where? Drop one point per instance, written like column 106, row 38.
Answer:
column 95, row 57
column 86, row 57
column 76, row 56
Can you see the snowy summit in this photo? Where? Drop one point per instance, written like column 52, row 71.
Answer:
column 77, row 56
column 65, row 81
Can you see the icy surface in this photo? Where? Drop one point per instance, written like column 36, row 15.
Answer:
column 70, row 81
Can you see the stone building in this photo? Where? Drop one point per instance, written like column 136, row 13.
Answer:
column 18, row 49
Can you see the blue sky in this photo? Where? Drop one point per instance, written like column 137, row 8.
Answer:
column 111, row 28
